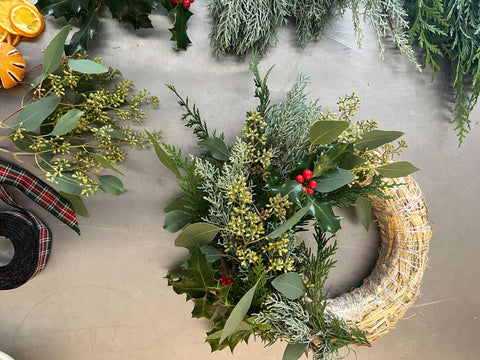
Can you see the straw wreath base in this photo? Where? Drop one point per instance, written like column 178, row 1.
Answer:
column 394, row 283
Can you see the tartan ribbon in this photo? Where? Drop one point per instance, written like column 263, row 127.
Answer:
column 30, row 236
column 40, row 192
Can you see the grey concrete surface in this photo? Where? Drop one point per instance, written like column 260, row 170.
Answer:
column 103, row 295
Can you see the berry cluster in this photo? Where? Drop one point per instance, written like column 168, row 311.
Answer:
column 224, row 281
column 186, row 3
column 304, row 178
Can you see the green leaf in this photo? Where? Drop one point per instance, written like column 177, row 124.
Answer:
column 324, row 131
column 34, row 113
column 60, row 8
column 243, row 326
column 111, row 184
column 332, row 158
column 68, row 184
column 363, row 208
column 211, row 253
column 163, row 156
column 88, row 29
column 238, row 313
column 77, row 204
column 197, row 234
column 179, row 29
column 397, row 169
column 67, row 122
column 334, row 180
column 27, row 140
column 103, row 161
column 204, row 306
column 290, row 222
column 375, row 138
column 114, row 134
column 175, row 220
column 216, row 147
column 177, row 204
column 351, row 161
column 134, row 12
column 289, row 284
column 294, row 351
column 52, row 56
column 291, row 188
column 86, row 66
column 196, row 278
column 323, row 213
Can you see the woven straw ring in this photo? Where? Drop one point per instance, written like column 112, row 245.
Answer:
column 394, row 283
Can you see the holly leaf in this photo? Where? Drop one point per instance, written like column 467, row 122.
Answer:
column 179, row 29
column 291, row 188
column 69, row 9
column 196, row 278
column 88, row 29
column 323, row 213
column 242, row 333
column 332, row 158
column 134, row 12
column 204, row 306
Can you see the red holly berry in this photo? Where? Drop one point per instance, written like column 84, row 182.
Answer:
column 312, row 184
column 191, row 1
column 299, row 179
column 175, row 1
column 228, row 281
column 309, row 191
column 307, row 174
column 304, row 188
column 186, row 4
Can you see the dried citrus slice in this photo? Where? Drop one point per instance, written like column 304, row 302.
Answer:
column 11, row 66
column 3, row 34
column 5, row 7
column 15, row 39
column 26, row 20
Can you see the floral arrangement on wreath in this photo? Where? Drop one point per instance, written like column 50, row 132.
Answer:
column 243, row 205
column 73, row 123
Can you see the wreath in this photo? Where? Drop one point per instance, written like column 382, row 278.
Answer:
column 243, row 205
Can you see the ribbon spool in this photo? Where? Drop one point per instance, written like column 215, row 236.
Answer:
column 30, row 237
column 4, row 356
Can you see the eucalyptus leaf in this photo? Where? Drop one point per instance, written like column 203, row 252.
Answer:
column 363, row 208
column 290, row 222
column 52, row 56
column 334, row 180
column 216, row 147
column 375, row 138
column 397, row 169
column 77, row 204
column 211, row 253
column 197, row 234
column 178, row 203
column 324, row 131
column 294, row 351
column 67, row 122
column 163, row 156
column 103, row 161
column 111, row 184
column 175, row 220
column 86, row 66
column 32, row 115
column 68, row 184
column 289, row 284
column 238, row 313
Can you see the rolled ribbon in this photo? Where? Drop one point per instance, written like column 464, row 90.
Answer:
column 30, row 237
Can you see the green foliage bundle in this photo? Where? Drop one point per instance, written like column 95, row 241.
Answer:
column 133, row 12
column 242, row 206
column 73, row 122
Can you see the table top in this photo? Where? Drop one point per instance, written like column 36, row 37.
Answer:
column 103, row 295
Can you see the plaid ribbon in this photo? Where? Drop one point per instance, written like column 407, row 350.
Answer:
column 40, row 192
column 46, row 197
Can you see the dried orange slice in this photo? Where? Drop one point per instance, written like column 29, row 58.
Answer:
column 3, row 34
column 15, row 39
column 11, row 66
column 5, row 7
column 26, row 20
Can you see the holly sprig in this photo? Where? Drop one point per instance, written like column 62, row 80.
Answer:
column 134, row 12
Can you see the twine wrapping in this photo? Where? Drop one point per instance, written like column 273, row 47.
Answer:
column 30, row 237
column 395, row 281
